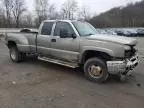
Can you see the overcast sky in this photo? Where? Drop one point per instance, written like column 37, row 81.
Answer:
column 96, row 6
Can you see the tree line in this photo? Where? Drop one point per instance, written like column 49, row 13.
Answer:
column 14, row 13
column 131, row 15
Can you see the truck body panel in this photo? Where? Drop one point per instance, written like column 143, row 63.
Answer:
column 72, row 49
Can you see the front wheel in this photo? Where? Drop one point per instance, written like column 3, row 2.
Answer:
column 95, row 69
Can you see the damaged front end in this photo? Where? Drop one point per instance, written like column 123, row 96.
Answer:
column 125, row 66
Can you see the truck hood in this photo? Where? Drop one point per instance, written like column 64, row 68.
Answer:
column 114, row 38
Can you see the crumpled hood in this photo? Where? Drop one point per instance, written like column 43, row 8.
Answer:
column 114, row 38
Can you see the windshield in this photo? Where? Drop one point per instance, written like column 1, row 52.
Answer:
column 84, row 28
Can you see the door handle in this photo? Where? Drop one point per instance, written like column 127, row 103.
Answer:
column 53, row 40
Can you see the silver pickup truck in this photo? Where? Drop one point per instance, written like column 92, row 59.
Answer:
column 76, row 44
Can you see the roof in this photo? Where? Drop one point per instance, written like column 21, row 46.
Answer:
column 59, row 20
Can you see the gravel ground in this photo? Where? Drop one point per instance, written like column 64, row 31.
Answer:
column 37, row 84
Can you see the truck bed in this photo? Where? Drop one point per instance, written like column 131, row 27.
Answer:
column 25, row 41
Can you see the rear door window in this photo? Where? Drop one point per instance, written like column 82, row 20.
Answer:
column 47, row 28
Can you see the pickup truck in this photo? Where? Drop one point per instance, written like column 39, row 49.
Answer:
column 76, row 44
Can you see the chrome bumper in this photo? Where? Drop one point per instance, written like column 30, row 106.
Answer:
column 116, row 67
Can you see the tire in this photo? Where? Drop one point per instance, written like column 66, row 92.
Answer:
column 95, row 69
column 35, row 57
column 15, row 55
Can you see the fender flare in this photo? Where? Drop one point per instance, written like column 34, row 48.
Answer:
column 96, row 49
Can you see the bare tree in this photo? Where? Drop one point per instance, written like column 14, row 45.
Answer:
column 69, row 9
column 29, row 19
column 53, row 13
column 2, row 17
column 18, row 9
column 84, row 14
column 41, row 8
column 8, row 7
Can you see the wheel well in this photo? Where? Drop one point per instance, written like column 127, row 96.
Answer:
column 11, row 43
column 91, row 53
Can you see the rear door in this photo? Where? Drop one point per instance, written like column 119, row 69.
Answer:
column 43, row 39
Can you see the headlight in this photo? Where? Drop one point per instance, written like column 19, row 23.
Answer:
column 130, row 53
column 127, row 47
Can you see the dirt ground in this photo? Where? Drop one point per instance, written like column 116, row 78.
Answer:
column 37, row 84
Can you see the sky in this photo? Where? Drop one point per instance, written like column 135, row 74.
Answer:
column 95, row 6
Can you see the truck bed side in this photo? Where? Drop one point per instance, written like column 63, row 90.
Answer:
column 26, row 42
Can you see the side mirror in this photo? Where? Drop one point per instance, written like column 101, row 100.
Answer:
column 74, row 36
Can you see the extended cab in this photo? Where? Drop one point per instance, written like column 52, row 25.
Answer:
column 76, row 44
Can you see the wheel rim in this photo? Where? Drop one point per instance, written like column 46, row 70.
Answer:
column 13, row 54
column 95, row 71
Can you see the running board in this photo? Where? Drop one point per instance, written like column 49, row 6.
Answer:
column 59, row 62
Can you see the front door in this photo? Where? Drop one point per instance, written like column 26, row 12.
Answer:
column 64, row 48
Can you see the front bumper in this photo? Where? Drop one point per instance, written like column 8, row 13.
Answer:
column 123, row 67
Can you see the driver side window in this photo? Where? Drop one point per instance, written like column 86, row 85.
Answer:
column 65, row 27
